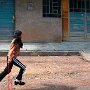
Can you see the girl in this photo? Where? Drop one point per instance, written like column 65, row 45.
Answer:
column 14, row 51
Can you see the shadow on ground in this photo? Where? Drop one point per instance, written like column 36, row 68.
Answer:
column 53, row 87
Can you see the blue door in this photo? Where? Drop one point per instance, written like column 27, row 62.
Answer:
column 79, row 19
column 6, row 19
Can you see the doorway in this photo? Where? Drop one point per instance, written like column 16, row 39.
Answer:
column 6, row 19
column 79, row 20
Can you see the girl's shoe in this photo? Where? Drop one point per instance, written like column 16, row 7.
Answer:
column 19, row 82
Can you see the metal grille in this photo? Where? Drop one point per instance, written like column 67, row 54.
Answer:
column 51, row 8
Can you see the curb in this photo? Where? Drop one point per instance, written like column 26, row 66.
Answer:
column 85, row 57
column 44, row 53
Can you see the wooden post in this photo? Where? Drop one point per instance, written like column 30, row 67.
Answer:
column 65, row 10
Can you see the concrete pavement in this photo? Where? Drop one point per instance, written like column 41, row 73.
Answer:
column 64, row 48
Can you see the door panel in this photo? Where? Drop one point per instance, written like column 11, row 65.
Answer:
column 88, row 22
column 77, row 24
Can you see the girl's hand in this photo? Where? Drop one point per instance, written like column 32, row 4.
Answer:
column 9, row 60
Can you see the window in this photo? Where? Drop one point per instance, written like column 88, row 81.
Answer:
column 51, row 8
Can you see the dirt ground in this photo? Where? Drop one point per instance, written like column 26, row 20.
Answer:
column 49, row 73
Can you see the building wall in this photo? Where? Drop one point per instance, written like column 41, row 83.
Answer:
column 35, row 28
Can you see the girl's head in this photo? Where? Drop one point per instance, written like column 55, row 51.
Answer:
column 18, row 34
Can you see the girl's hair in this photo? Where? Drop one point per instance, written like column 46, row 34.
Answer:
column 17, row 33
column 18, row 40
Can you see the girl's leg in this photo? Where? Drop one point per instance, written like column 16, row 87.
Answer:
column 7, row 70
column 21, row 66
